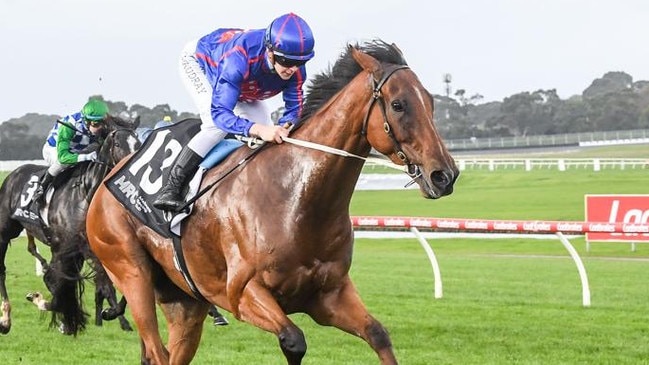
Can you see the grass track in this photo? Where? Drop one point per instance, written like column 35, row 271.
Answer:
column 497, row 308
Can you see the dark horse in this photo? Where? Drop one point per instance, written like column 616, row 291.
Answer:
column 104, row 289
column 64, row 215
column 276, row 238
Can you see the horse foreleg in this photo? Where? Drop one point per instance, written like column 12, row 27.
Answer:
column 39, row 301
column 5, row 306
column 116, row 309
column 258, row 307
column 104, row 290
column 345, row 310
column 5, row 320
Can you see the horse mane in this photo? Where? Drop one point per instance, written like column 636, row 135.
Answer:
column 325, row 85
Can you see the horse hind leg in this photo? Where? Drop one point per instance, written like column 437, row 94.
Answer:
column 133, row 275
column 65, row 283
column 41, row 262
column 185, row 318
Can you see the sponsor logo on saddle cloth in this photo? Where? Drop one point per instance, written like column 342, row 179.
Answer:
column 137, row 183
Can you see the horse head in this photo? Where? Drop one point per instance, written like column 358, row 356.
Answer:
column 399, row 121
column 115, row 122
column 120, row 140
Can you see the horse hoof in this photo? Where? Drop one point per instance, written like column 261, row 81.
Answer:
column 5, row 328
column 32, row 296
column 64, row 330
column 127, row 328
column 220, row 321
column 108, row 314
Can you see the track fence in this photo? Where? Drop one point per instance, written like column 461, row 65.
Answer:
column 557, row 228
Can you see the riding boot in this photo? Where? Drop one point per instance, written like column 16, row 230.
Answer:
column 43, row 184
column 185, row 165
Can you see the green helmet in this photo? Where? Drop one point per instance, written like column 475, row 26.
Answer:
column 95, row 110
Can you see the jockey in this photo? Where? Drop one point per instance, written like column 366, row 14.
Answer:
column 228, row 73
column 165, row 122
column 69, row 137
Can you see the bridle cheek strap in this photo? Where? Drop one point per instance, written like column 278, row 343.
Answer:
column 412, row 170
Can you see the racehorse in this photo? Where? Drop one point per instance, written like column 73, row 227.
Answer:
column 275, row 238
column 62, row 224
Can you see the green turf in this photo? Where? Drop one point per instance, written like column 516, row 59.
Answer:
column 496, row 309
column 506, row 301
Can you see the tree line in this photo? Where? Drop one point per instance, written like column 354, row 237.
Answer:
column 612, row 102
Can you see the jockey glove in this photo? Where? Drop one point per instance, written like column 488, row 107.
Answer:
column 92, row 156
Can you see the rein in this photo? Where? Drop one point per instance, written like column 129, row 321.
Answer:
column 410, row 169
column 253, row 142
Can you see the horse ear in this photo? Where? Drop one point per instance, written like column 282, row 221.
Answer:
column 367, row 62
column 403, row 58
column 394, row 47
column 121, row 121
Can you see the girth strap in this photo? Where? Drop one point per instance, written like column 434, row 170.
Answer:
column 181, row 265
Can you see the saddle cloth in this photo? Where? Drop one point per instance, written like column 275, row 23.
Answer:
column 137, row 184
column 25, row 211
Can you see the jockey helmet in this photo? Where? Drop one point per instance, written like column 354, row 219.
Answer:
column 95, row 110
column 289, row 36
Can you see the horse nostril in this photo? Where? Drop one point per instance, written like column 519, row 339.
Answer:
column 440, row 178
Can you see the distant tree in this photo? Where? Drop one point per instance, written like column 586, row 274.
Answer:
column 16, row 143
column 611, row 82
column 572, row 116
column 530, row 113
column 615, row 111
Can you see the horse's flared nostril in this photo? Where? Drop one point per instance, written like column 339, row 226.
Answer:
column 441, row 179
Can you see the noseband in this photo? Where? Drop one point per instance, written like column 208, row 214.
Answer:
column 412, row 170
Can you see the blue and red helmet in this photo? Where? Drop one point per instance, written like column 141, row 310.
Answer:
column 290, row 36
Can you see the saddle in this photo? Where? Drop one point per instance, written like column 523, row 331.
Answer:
column 138, row 182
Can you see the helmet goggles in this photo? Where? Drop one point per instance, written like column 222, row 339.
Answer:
column 94, row 122
column 287, row 62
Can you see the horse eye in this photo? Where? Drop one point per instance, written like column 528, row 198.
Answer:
column 397, row 106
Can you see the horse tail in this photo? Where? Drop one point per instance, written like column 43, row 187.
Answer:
column 66, row 284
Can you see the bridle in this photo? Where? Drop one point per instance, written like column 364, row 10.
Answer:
column 412, row 170
column 111, row 162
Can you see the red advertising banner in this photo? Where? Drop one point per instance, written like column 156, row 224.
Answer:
column 628, row 209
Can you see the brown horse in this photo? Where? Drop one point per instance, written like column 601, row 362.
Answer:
column 275, row 238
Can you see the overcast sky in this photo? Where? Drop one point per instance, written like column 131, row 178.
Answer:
column 55, row 53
